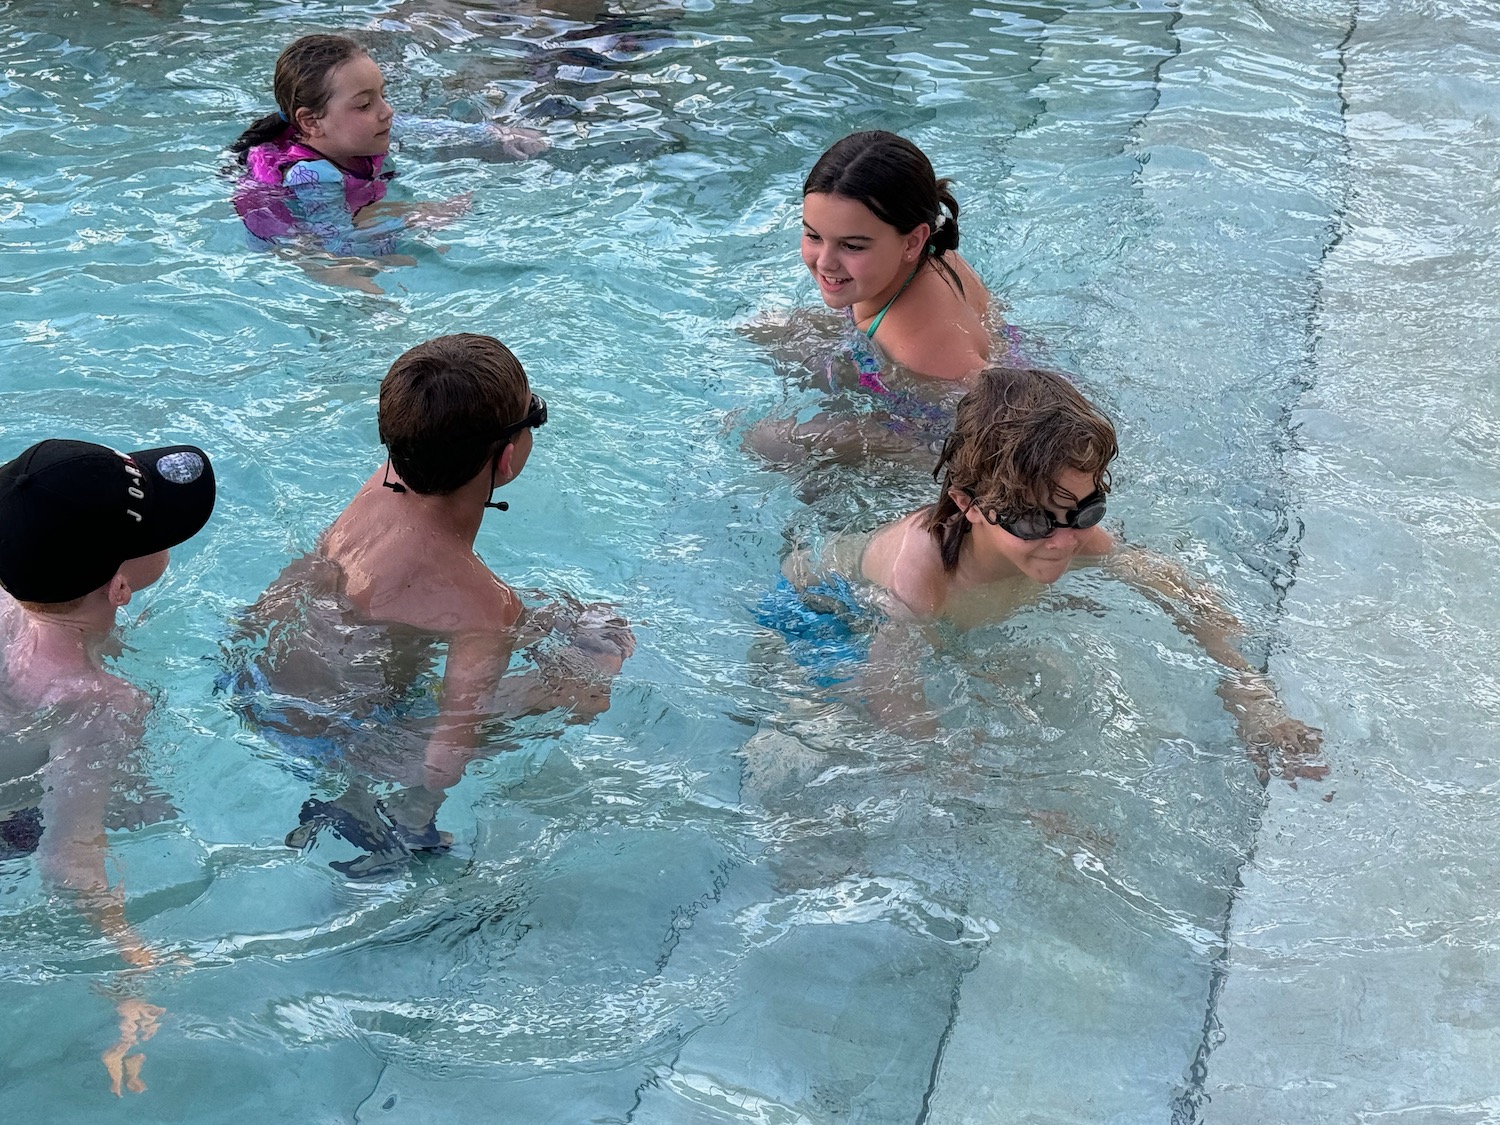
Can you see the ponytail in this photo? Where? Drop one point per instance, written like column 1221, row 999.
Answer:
column 265, row 129
column 944, row 236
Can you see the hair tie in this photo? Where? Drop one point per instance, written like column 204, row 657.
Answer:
column 281, row 113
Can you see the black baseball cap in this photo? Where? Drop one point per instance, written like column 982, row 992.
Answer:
column 71, row 512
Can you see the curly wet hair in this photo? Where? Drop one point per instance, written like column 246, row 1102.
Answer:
column 1015, row 432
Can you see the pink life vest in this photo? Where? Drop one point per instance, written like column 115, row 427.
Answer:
column 261, row 198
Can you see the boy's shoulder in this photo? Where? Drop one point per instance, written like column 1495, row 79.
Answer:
column 420, row 575
column 88, row 698
column 33, row 680
column 436, row 594
column 481, row 601
column 903, row 557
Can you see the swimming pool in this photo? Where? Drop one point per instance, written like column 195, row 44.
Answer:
column 733, row 897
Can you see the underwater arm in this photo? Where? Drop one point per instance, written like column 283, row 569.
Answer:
column 891, row 689
column 474, row 665
column 577, row 675
column 476, row 661
column 73, row 848
column 1247, row 693
column 71, row 856
column 489, row 141
column 476, row 689
column 389, row 216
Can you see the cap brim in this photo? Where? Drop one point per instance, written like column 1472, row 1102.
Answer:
column 182, row 490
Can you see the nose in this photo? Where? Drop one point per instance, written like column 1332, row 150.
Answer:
column 386, row 112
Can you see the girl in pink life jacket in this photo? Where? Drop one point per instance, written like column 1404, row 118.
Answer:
column 314, row 167
column 315, row 164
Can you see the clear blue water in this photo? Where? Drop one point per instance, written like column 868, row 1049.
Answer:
column 734, row 897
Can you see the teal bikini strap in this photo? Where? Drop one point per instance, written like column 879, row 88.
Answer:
column 874, row 324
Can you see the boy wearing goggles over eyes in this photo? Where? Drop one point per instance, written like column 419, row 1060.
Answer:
column 1025, row 476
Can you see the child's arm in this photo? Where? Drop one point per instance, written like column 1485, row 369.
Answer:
column 476, row 689
column 79, row 780
column 391, row 215
column 476, row 661
column 1248, row 693
column 72, row 856
column 479, row 140
column 889, row 684
column 577, row 675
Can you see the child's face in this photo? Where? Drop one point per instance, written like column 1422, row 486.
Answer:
column 852, row 255
column 357, row 120
column 1045, row 560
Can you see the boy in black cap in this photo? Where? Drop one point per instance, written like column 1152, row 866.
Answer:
column 82, row 528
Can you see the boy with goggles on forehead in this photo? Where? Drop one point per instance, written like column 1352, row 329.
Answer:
column 1025, row 477
column 397, row 581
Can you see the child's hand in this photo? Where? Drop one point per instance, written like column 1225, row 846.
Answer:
column 1269, row 732
column 431, row 216
column 605, row 637
column 512, row 143
column 578, row 675
column 138, row 1022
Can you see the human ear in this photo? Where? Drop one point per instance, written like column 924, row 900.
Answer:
column 119, row 591
column 965, row 504
column 309, row 124
column 507, row 462
column 916, row 241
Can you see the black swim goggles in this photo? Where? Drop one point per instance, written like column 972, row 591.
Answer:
column 1042, row 523
column 536, row 416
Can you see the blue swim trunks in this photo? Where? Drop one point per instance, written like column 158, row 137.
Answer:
column 313, row 738
column 827, row 629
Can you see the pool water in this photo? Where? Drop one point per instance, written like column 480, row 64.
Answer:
column 735, row 897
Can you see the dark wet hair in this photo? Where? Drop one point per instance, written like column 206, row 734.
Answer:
column 300, row 82
column 442, row 405
column 1014, row 434
column 894, row 179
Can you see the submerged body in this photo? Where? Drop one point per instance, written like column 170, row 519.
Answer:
column 880, row 239
column 393, row 633
column 83, row 527
column 1025, row 478
column 291, row 189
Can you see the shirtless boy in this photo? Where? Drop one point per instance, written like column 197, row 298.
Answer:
column 82, row 528
column 1025, row 478
column 396, row 578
